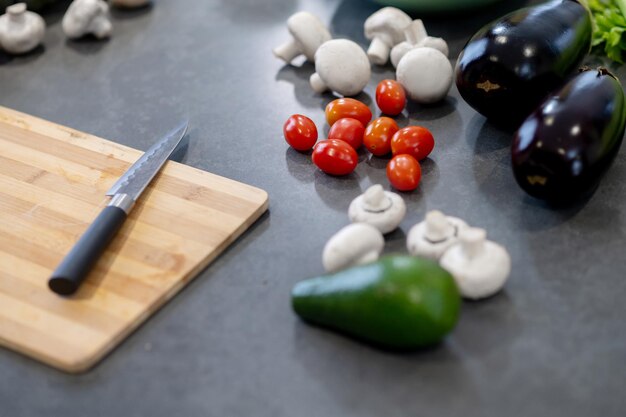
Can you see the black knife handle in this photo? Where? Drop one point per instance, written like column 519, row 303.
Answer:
column 77, row 264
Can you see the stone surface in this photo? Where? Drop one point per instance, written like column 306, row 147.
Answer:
column 553, row 343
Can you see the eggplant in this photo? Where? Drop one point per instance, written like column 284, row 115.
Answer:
column 562, row 150
column 509, row 66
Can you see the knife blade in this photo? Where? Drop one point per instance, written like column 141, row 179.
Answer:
column 73, row 269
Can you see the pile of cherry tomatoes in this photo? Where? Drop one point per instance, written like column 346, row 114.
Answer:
column 350, row 128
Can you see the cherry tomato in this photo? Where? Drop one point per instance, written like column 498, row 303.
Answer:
column 390, row 97
column 348, row 107
column 335, row 157
column 349, row 130
column 300, row 132
column 378, row 134
column 404, row 172
column 416, row 141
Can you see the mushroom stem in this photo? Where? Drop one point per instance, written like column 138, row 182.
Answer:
column 317, row 84
column 17, row 12
column 473, row 241
column 378, row 51
column 415, row 32
column 375, row 196
column 287, row 51
column 436, row 226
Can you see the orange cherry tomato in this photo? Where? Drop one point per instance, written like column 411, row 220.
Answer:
column 378, row 134
column 390, row 97
column 416, row 141
column 349, row 130
column 300, row 132
column 347, row 107
column 404, row 172
column 335, row 157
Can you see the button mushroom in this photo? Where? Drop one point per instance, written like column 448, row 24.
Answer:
column 416, row 37
column 433, row 236
column 413, row 35
column 426, row 74
column 341, row 66
column 480, row 267
column 129, row 3
column 85, row 17
column 308, row 34
column 385, row 28
column 355, row 244
column 382, row 209
column 20, row 30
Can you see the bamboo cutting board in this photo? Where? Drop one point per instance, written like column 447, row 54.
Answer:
column 52, row 185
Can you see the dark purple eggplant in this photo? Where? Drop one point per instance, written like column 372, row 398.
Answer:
column 509, row 66
column 563, row 148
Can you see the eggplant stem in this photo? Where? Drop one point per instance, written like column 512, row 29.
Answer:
column 601, row 71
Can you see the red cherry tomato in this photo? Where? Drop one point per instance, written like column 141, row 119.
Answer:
column 416, row 141
column 335, row 157
column 390, row 97
column 300, row 132
column 348, row 107
column 378, row 134
column 404, row 172
column 349, row 130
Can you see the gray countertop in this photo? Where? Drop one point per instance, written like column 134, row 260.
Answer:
column 552, row 344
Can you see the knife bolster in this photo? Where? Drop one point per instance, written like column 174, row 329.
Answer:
column 122, row 201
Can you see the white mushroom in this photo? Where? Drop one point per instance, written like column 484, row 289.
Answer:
column 129, row 3
column 416, row 37
column 355, row 244
column 426, row 74
column 413, row 34
column 20, row 30
column 85, row 17
column 308, row 33
column 382, row 209
column 480, row 267
column 433, row 236
column 341, row 66
column 436, row 43
column 385, row 28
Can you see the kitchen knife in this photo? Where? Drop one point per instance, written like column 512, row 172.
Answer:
column 125, row 192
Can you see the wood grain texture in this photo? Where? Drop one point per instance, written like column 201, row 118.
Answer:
column 52, row 185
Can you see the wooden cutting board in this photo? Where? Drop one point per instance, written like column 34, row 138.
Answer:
column 52, row 185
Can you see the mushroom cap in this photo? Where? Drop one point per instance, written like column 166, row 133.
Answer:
column 482, row 274
column 87, row 10
column 432, row 240
column 309, row 32
column 20, row 30
column 355, row 244
column 386, row 218
column 389, row 24
column 426, row 74
column 343, row 66
column 80, row 16
column 437, row 43
column 399, row 51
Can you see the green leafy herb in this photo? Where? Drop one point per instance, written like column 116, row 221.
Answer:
column 609, row 27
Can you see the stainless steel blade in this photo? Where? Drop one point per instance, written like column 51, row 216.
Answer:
column 139, row 175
